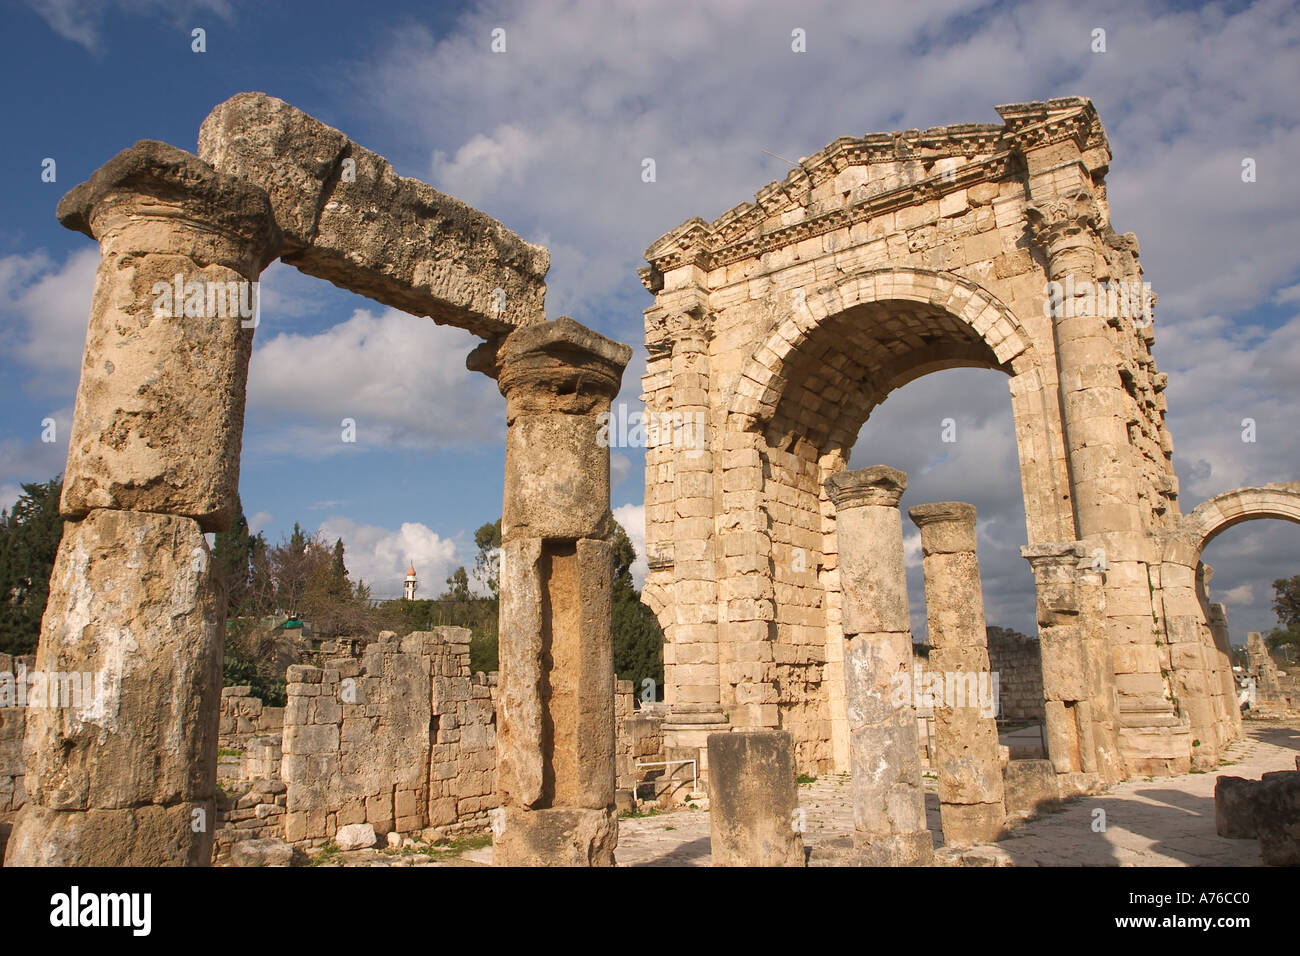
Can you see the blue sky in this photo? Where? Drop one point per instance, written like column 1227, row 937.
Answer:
column 549, row 137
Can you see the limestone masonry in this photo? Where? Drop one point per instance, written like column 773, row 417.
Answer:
column 777, row 575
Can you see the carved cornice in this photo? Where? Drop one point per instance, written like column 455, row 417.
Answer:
column 739, row 234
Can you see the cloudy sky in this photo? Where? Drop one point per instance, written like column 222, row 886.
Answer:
column 549, row 136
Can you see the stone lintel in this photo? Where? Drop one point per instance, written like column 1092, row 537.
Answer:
column 350, row 219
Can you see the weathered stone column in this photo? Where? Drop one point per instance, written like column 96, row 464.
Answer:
column 695, row 711
column 888, row 800
column 1065, row 221
column 972, row 807
column 555, row 732
column 126, row 775
column 1193, row 676
column 1218, row 623
column 1219, row 649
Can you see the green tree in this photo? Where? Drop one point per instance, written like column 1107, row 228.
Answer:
column 1285, row 638
column 29, row 541
column 457, row 587
column 487, row 563
column 232, row 559
column 638, row 639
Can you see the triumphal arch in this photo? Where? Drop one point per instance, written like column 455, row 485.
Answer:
column 781, row 324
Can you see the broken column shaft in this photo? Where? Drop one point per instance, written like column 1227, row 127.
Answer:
column 888, row 801
column 128, row 776
column 555, row 735
column 966, row 735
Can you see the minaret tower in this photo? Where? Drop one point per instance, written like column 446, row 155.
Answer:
column 409, row 592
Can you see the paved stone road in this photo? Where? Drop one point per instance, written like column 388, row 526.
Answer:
column 1162, row 822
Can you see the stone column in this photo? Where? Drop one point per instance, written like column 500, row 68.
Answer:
column 1065, row 219
column 124, row 774
column 555, row 732
column 1219, row 647
column 1078, row 669
column 1218, row 623
column 972, row 807
column 888, row 800
column 696, row 709
column 1194, row 679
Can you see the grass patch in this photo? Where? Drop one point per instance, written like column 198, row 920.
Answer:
column 638, row 813
column 327, row 854
column 803, row 779
column 229, row 752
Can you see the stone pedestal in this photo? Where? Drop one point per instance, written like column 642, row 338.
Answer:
column 966, row 735
column 555, row 733
column 1078, row 670
column 754, row 799
column 888, row 800
column 126, row 775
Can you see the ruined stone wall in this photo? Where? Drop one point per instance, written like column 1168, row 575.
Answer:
column 1276, row 693
column 404, row 739
column 244, row 717
column 1018, row 662
column 638, row 738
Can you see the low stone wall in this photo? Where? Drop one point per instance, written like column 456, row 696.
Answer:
column 244, row 716
column 13, row 722
column 404, row 739
column 1018, row 662
column 638, row 738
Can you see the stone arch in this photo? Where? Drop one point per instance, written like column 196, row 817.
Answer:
column 962, row 325
column 1211, row 518
column 803, row 394
column 990, row 322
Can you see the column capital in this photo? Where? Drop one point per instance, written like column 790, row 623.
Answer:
column 1045, row 556
column 559, row 366
column 877, row 485
column 150, row 195
column 946, row 526
column 1061, row 222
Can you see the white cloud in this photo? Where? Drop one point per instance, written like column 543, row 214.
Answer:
column 632, row 517
column 380, row 556
column 259, row 522
column 82, row 21
column 401, row 378
column 8, row 495
column 1242, row 594
column 48, row 306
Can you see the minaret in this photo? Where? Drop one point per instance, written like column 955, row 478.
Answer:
column 409, row 593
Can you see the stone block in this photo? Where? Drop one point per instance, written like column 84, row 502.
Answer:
column 1277, row 818
column 753, row 798
column 1030, row 786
